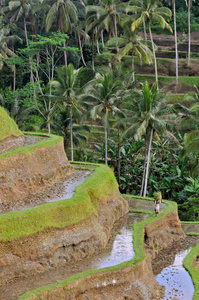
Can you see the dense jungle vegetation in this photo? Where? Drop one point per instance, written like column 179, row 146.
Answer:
column 68, row 67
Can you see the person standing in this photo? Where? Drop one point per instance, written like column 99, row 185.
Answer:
column 157, row 200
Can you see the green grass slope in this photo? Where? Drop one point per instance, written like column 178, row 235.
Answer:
column 7, row 125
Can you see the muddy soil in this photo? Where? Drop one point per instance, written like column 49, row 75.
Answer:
column 169, row 271
column 62, row 189
column 118, row 250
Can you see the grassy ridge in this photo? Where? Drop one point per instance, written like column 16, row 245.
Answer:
column 28, row 150
column 187, row 263
column 61, row 213
column 192, row 271
column 187, row 80
column 138, row 247
column 7, row 125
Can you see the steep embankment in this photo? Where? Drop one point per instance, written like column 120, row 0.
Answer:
column 130, row 280
column 62, row 231
column 27, row 169
column 10, row 136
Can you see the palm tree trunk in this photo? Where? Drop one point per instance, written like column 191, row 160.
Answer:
column 176, row 40
column 133, row 67
column 64, row 44
column 189, row 33
column 14, row 78
column 115, row 24
column 80, row 46
column 148, row 162
column 118, row 150
column 27, row 44
column 97, row 42
column 144, row 28
column 144, row 168
column 102, row 38
column 106, row 137
column 154, row 56
column 71, row 133
column 48, row 122
column 93, row 63
column 65, row 55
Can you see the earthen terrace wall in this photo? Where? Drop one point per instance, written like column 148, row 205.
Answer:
column 27, row 169
column 130, row 280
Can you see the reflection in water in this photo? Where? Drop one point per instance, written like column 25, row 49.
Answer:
column 122, row 249
column 176, row 279
column 119, row 249
column 120, row 246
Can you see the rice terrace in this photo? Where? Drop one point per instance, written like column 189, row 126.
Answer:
column 99, row 150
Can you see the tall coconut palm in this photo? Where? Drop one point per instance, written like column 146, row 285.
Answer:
column 22, row 9
column 147, row 119
column 131, row 43
column 64, row 12
column 175, row 36
column 189, row 4
column 176, row 39
column 66, row 85
column 100, row 95
column 151, row 11
column 104, row 16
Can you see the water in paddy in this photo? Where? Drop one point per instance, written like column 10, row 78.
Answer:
column 120, row 246
column 119, row 249
column 169, row 271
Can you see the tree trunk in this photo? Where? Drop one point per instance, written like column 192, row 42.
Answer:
column 48, row 122
column 118, row 151
column 154, row 56
column 71, row 133
column 133, row 67
column 148, row 162
column 144, row 28
column 106, row 137
column 115, row 23
column 65, row 55
column 64, row 44
column 176, row 40
column 102, row 38
column 189, row 34
column 14, row 78
column 81, row 52
column 27, row 43
column 144, row 168
column 93, row 63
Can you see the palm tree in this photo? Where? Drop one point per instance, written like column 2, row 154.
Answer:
column 23, row 9
column 66, row 86
column 176, row 39
column 175, row 36
column 147, row 119
column 100, row 96
column 151, row 11
column 132, row 43
column 189, row 4
column 64, row 12
column 104, row 16
column 61, row 125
